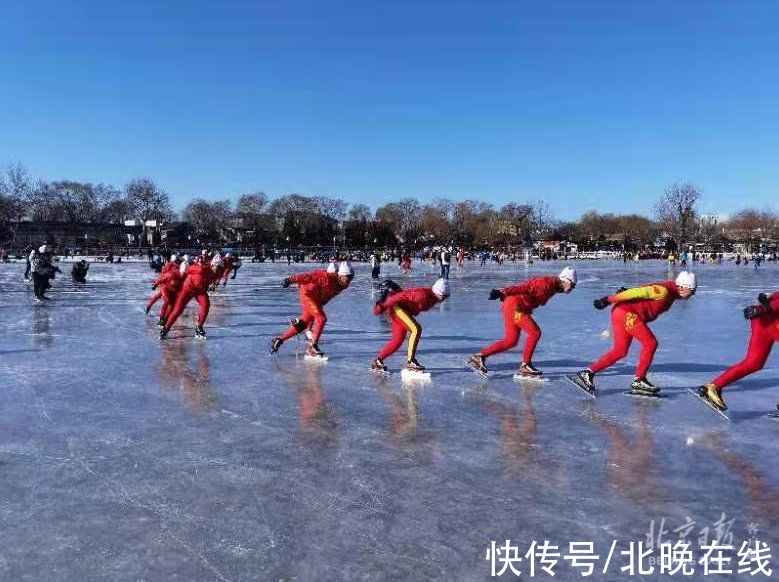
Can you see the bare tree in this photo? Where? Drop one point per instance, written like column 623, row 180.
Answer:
column 514, row 222
column 116, row 211
column 752, row 226
column 148, row 201
column 333, row 208
column 676, row 211
column 208, row 219
column 74, row 202
column 360, row 213
column 542, row 219
column 251, row 211
column 16, row 190
column 251, row 204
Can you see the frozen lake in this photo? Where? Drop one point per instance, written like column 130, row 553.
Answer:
column 124, row 458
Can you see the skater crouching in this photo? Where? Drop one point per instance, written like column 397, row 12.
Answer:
column 401, row 308
column 633, row 310
column 168, row 286
column 199, row 277
column 519, row 302
column 764, row 320
column 173, row 265
column 317, row 288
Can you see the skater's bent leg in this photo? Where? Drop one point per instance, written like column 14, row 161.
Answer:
column 533, row 332
column 648, row 348
column 760, row 344
column 320, row 319
column 398, row 335
column 413, row 327
column 153, row 300
column 305, row 320
column 510, row 334
column 181, row 302
column 622, row 341
column 205, row 306
column 165, row 308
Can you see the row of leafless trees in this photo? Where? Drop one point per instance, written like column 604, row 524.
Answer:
column 67, row 201
column 296, row 219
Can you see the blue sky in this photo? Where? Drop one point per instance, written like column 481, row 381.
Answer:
column 584, row 104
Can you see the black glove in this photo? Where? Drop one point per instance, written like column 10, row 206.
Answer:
column 763, row 299
column 753, row 311
column 154, row 287
column 496, row 294
column 621, row 289
column 601, row 303
column 286, row 282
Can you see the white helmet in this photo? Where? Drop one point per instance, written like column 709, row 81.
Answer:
column 345, row 270
column 568, row 274
column 187, row 259
column 217, row 261
column 442, row 288
column 43, row 249
column 332, row 268
column 686, row 279
column 228, row 256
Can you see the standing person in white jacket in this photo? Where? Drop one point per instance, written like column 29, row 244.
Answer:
column 445, row 260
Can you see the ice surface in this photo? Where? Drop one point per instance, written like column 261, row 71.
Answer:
column 124, row 458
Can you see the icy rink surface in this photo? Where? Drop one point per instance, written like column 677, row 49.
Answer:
column 124, row 458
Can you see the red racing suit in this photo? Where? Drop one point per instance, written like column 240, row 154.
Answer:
column 765, row 331
column 166, row 268
column 401, row 308
column 198, row 279
column 228, row 268
column 633, row 309
column 168, row 285
column 518, row 304
column 317, row 288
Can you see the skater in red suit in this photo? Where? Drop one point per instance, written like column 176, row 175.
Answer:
column 229, row 265
column 764, row 319
column 633, row 310
column 168, row 286
column 199, row 276
column 401, row 308
column 518, row 305
column 171, row 265
column 317, row 288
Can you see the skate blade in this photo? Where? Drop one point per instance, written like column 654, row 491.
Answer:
column 381, row 373
column 648, row 396
column 413, row 376
column 474, row 370
column 533, row 379
column 575, row 381
column 318, row 359
column 773, row 415
column 708, row 404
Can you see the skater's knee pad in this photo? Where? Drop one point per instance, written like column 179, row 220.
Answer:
column 300, row 326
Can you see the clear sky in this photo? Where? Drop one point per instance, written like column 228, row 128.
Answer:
column 587, row 104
